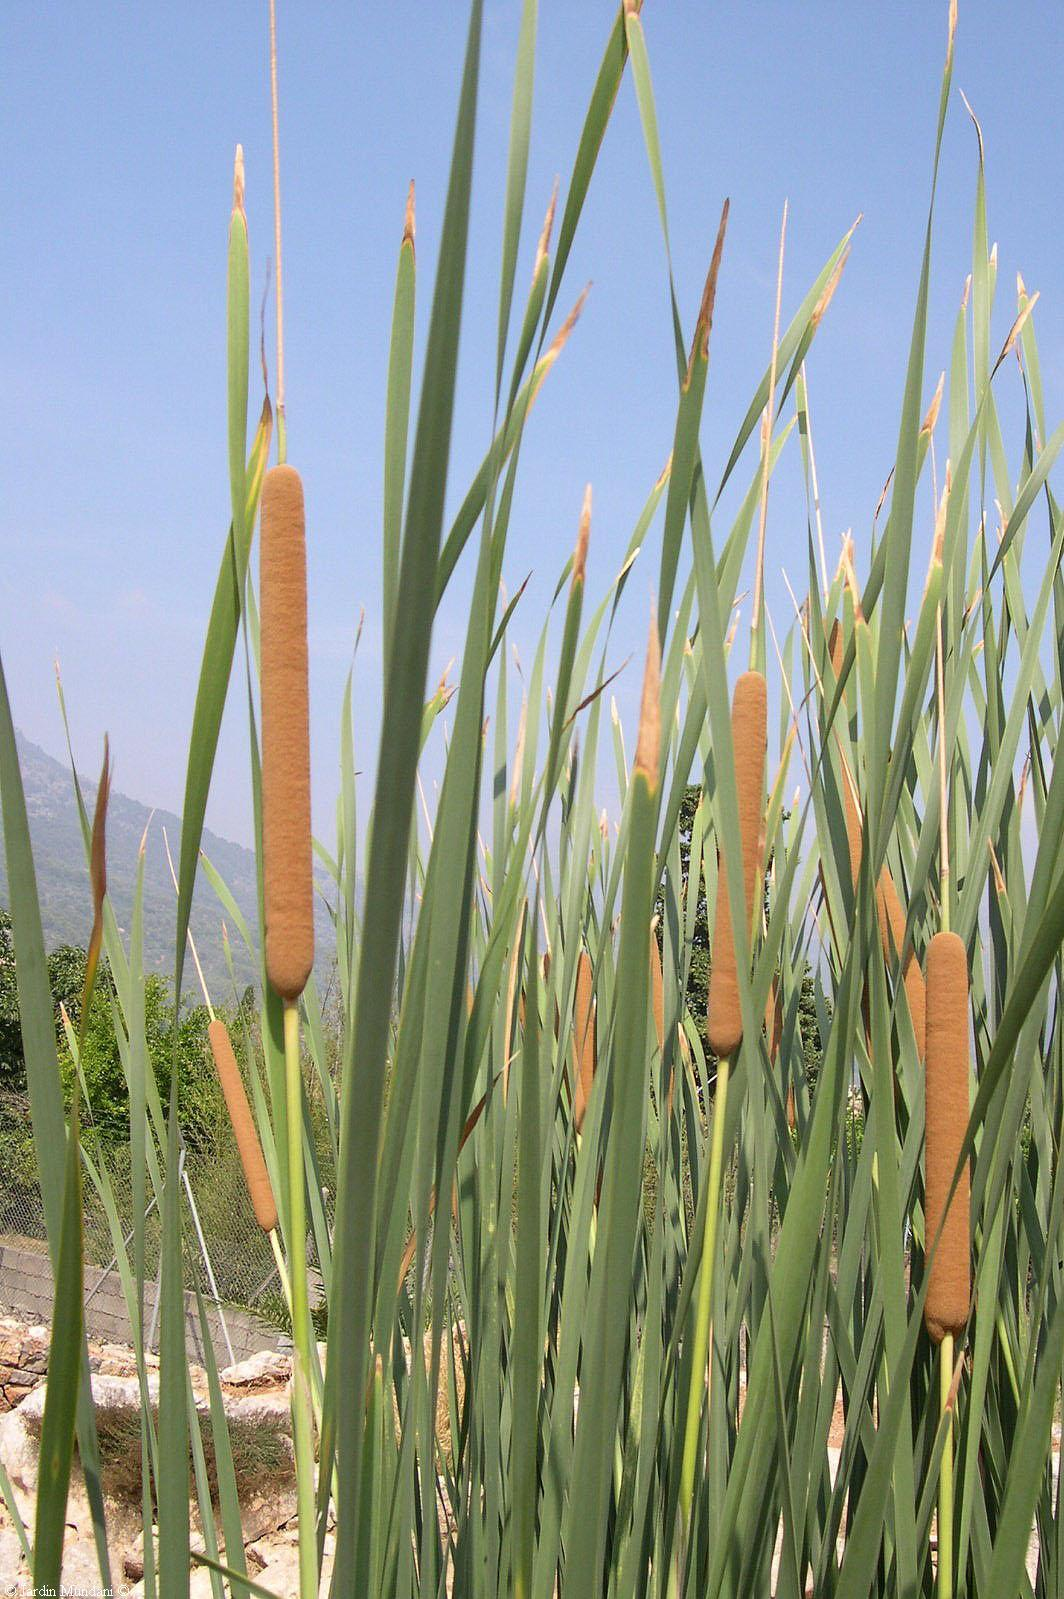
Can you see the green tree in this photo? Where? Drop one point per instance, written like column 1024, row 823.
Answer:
column 12, row 1065
column 201, row 1107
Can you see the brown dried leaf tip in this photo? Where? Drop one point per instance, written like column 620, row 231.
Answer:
column 928, row 424
column 558, row 343
column 543, row 247
column 648, row 744
column 820, row 310
column 408, row 220
column 98, row 852
column 704, row 325
column 238, row 179
column 582, row 538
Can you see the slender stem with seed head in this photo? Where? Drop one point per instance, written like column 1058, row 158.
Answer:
column 282, row 443
column 704, row 1309
column 943, row 784
column 302, row 1407
column 944, row 1574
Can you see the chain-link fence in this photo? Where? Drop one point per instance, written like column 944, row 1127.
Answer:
column 227, row 1256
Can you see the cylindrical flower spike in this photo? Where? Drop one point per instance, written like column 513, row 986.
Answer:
column 584, row 1045
column 286, row 842
column 947, row 1110
column 750, row 741
column 247, row 1139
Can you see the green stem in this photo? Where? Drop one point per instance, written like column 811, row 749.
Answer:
column 703, row 1314
column 302, row 1411
column 944, row 1582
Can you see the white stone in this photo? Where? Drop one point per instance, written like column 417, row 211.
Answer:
column 280, row 1574
column 108, row 1393
column 18, row 1450
column 11, row 1566
column 260, row 1410
column 267, row 1366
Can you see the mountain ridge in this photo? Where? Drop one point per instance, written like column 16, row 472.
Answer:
column 63, row 884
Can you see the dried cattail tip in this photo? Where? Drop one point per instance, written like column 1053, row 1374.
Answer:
column 584, row 1048
column 657, row 992
column 247, row 1139
column 947, row 1112
column 750, row 741
column 285, row 735
column 774, row 1037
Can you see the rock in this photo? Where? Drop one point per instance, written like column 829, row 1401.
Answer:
column 108, row 1393
column 18, row 1449
column 11, row 1565
column 114, row 1360
column 280, row 1574
column 264, row 1513
column 266, row 1369
column 261, row 1410
column 81, row 1569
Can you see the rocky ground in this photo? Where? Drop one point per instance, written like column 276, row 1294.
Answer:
column 256, row 1399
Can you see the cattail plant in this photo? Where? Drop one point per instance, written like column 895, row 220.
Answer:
column 724, row 1028
column 256, row 1176
column 725, row 1024
column 603, row 1369
column 287, row 862
column 287, row 850
column 584, row 1040
column 946, row 1113
column 946, row 1107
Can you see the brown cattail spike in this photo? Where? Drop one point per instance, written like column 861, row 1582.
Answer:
column 247, row 1139
column 584, row 1048
column 750, row 741
column 947, row 1112
column 285, row 735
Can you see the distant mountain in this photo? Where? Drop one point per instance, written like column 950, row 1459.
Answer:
column 63, row 885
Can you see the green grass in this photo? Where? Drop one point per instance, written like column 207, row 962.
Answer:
column 262, row 1460
column 553, row 1283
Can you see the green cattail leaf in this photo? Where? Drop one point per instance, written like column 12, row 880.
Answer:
column 517, row 170
column 172, row 1485
column 397, row 418
column 64, row 1369
column 405, row 673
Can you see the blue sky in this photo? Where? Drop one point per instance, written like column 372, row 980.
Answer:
column 118, row 125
